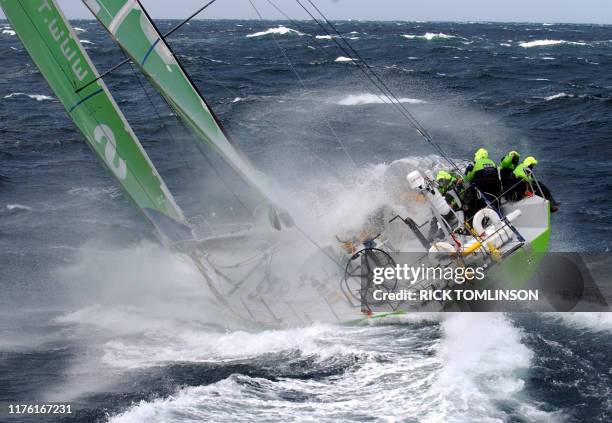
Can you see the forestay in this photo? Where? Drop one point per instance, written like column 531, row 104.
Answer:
column 129, row 24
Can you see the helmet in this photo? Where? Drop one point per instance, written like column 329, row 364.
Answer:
column 443, row 175
column 481, row 154
column 530, row 161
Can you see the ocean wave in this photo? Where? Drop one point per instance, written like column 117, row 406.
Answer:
column 548, row 43
column 37, row 97
column 89, row 192
column 344, row 59
column 484, row 360
column 77, row 29
column 86, row 42
column 362, row 99
column 430, row 36
column 8, row 32
column 558, row 96
column 594, row 321
column 18, row 207
column 324, row 37
column 280, row 30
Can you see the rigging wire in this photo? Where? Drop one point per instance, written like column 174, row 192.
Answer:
column 180, row 122
column 301, row 81
column 373, row 77
column 276, row 126
column 386, row 99
column 167, row 34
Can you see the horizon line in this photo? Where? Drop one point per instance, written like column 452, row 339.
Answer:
column 365, row 20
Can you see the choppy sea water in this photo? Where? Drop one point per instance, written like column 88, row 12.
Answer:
column 93, row 313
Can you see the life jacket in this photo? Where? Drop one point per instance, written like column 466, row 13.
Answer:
column 510, row 161
column 486, row 165
column 523, row 174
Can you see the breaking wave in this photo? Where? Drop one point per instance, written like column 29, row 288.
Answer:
column 598, row 322
column 280, row 30
column 18, row 207
column 548, row 43
column 484, row 360
column 558, row 96
column 361, row 99
column 453, row 368
column 429, row 36
column 344, row 59
column 37, row 97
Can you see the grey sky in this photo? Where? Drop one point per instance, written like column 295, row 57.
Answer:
column 591, row 11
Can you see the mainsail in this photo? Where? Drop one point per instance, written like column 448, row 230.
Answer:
column 129, row 24
column 54, row 47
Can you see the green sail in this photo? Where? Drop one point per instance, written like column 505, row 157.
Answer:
column 54, row 47
column 130, row 26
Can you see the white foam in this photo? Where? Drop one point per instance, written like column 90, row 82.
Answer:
column 8, row 32
column 193, row 345
column 361, row 99
column 558, row 96
column 592, row 321
column 77, row 29
column 37, row 97
column 86, row 42
column 377, row 388
column 18, row 207
column 479, row 362
column 237, row 99
column 505, row 44
column 280, row 30
column 344, row 59
column 483, row 362
column 323, row 37
column 547, row 43
column 429, row 36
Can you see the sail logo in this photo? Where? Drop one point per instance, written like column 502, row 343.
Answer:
column 59, row 36
column 102, row 133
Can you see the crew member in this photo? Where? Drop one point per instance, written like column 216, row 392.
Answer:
column 484, row 178
column 524, row 173
column 506, row 172
column 450, row 186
